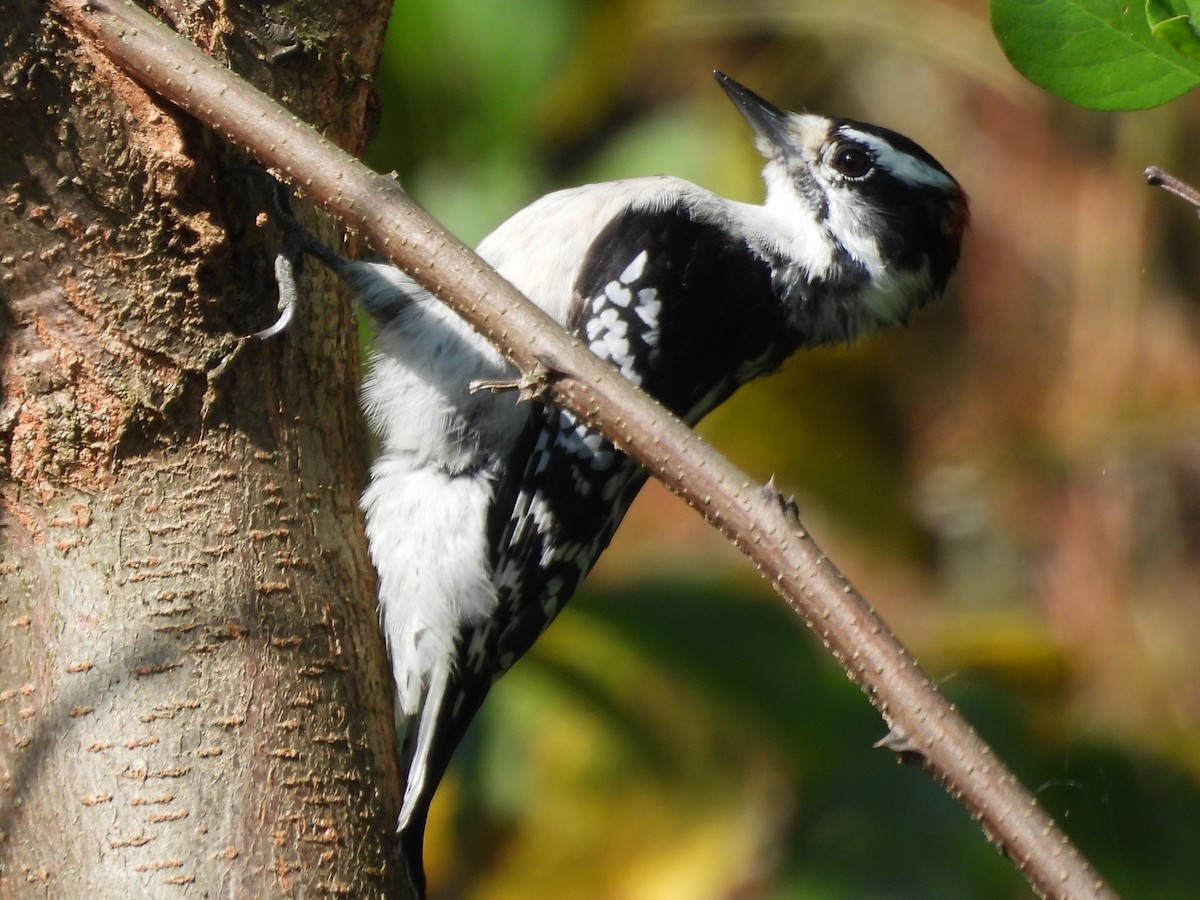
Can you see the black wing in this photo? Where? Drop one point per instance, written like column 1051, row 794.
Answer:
column 682, row 310
column 686, row 313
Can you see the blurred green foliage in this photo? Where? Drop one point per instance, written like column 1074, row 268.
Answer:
column 1014, row 480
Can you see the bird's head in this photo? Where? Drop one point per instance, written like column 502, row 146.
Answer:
column 875, row 221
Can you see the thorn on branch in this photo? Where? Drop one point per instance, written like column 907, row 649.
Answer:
column 531, row 385
column 898, row 742
column 788, row 505
column 1168, row 182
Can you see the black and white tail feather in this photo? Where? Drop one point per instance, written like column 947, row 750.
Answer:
column 484, row 514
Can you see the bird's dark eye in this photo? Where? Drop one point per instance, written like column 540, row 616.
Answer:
column 851, row 160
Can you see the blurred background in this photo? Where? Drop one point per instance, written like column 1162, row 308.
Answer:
column 1013, row 480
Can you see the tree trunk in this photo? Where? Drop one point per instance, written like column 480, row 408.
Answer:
column 193, row 689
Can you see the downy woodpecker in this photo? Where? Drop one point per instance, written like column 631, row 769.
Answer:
column 484, row 514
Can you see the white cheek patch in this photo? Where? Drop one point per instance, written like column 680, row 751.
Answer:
column 903, row 165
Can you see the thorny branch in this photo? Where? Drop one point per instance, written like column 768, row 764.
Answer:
column 923, row 726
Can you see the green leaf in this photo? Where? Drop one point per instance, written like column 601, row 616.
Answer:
column 1161, row 10
column 1170, row 23
column 1100, row 54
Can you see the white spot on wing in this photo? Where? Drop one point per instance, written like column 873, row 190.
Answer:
column 543, row 516
column 617, row 295
column 613, row 322
column 634, row 270
column 648, row 306
column 509, row 576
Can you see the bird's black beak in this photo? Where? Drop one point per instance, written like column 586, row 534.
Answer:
column 768, row 120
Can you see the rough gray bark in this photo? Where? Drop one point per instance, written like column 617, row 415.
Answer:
column 193, row 689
